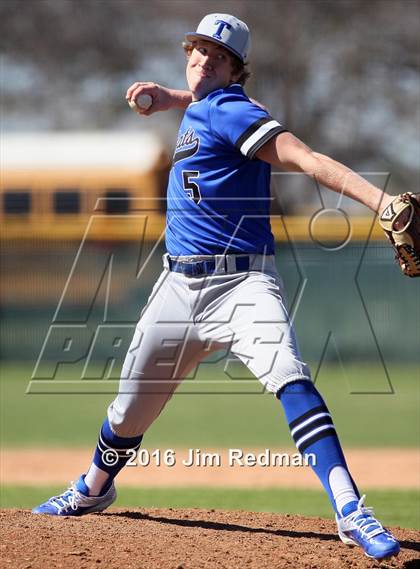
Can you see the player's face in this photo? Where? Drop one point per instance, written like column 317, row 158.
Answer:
column 209, row 68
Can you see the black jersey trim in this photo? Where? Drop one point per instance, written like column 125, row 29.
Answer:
column 268, row 135
column 250, row 131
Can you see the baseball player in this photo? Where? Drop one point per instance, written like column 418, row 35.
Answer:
column 219, row 288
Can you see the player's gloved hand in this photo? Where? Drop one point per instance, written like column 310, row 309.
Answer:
column 401, row 222
column 162, row 97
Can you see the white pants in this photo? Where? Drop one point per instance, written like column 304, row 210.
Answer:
column 185, row 319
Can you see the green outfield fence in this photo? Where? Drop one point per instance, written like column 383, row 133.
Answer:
column 349, row 304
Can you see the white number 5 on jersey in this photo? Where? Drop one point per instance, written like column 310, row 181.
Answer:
column 192, row 188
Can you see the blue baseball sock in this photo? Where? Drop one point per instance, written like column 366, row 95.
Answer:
column 109, row 458
column 314, row 433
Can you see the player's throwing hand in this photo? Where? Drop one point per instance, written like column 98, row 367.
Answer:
column 162, row 97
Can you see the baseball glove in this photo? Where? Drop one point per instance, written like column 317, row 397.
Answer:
column 401, row 222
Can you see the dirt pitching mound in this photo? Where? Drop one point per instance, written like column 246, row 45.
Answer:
column 184, row 539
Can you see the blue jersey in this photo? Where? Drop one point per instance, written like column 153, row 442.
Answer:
column 218, row 193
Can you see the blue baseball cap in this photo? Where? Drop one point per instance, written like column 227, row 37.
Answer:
column 225, row 30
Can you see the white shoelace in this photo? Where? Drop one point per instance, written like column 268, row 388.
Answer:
column 363, row 519
column 68, row 499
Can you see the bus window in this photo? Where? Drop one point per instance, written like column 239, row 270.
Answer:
column 17, row 202
column 117, row 201
column 66, row 201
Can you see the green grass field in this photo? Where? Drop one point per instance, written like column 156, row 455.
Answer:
column 397, row 508
column 220, row 415
column 219, row 419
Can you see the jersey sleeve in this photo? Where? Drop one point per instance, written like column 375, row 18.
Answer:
column 242, row 123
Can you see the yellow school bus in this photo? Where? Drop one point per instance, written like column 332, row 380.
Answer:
column 58, row 185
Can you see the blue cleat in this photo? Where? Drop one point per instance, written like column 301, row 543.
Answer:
column 75, row 501
column 357, row 526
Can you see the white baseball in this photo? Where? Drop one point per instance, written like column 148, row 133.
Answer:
column 142, row 102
